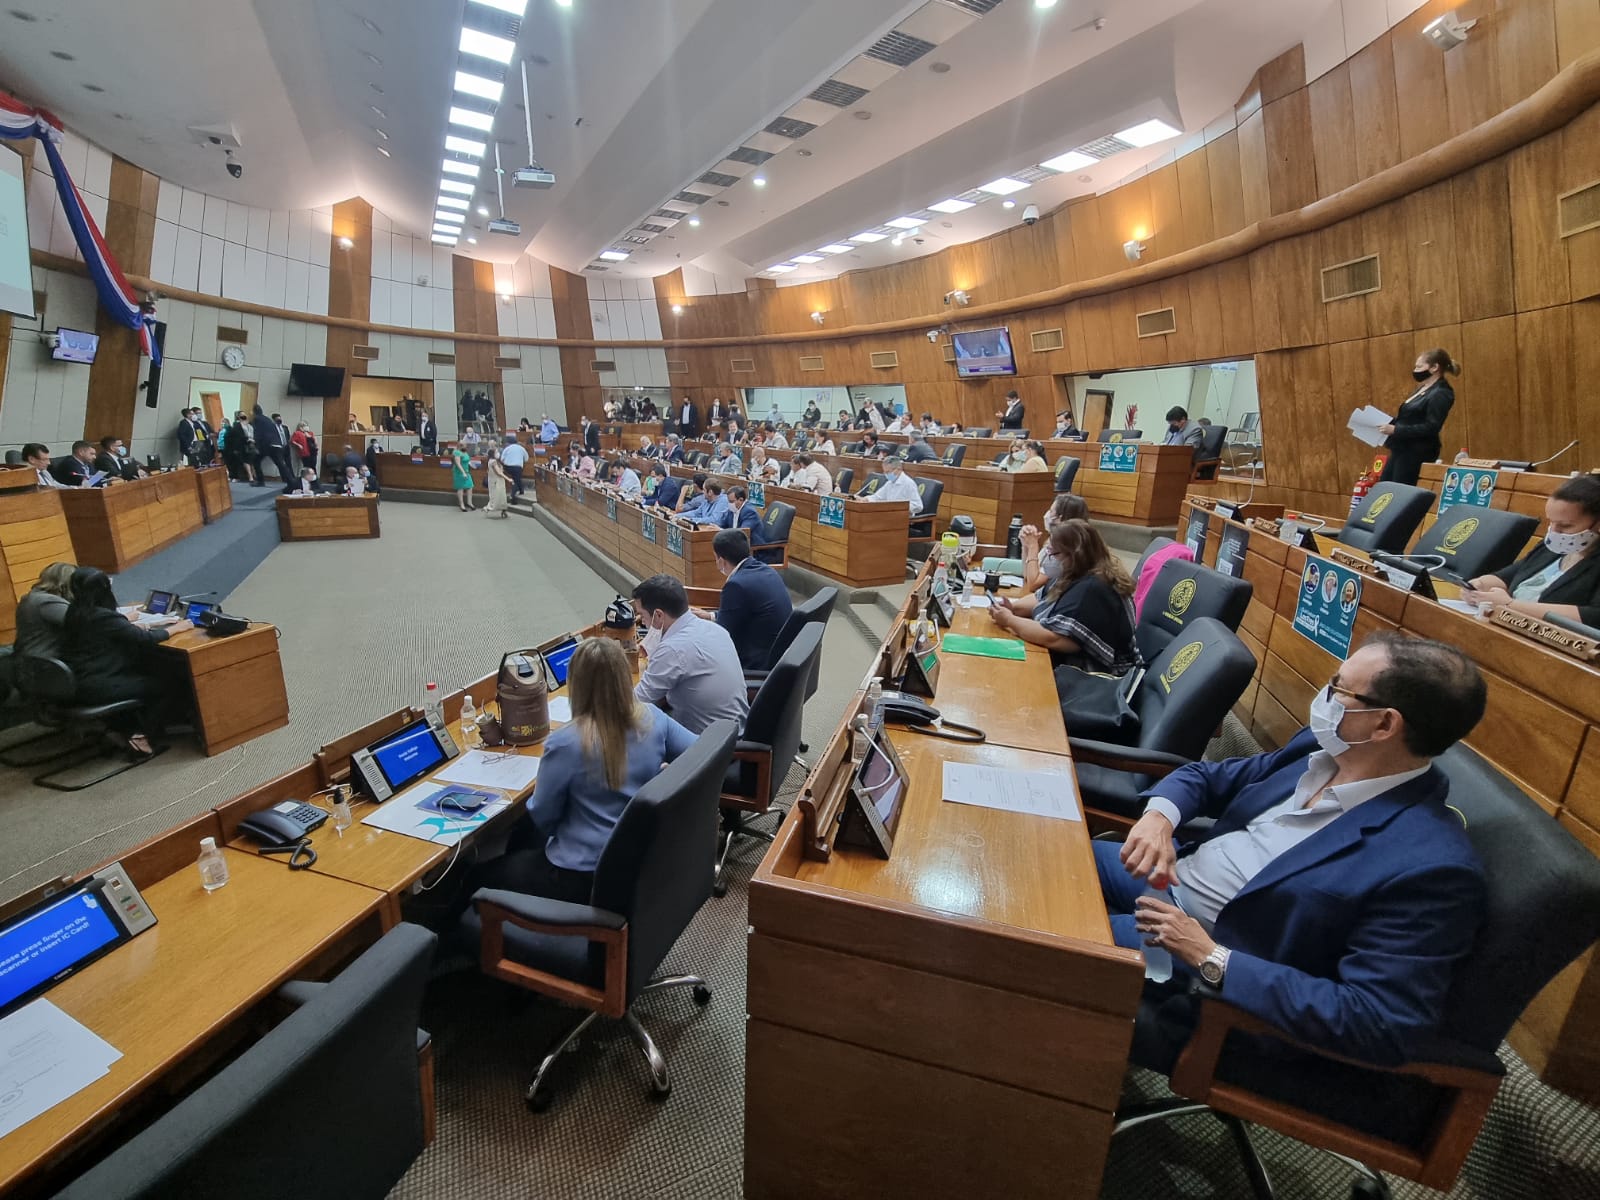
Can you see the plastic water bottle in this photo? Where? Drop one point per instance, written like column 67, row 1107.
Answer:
column 1014, row 537
column 471, row 737
column 859, row 736
column 213, row 865
column 433, row 703
column 874, row 705
column 343, row 818
column 1157, row 959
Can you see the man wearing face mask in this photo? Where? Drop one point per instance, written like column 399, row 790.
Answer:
column 1336, row 891
column 754, row 604
column 1181, row 431
column 694, row 671
column 898, row 487
column 1561, row 575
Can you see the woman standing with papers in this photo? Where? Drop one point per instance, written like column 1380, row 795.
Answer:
column 1413, row 437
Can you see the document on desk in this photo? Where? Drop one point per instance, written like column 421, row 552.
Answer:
column 485, row 768
column 45, row 1057
column 561, row 709
column 407, row 813
column 1038, row 793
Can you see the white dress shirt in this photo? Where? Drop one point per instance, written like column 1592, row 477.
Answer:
column 47, row 480
column 901, row 488
column 629, row 484
column 1219, row 869
column 695, row 669
column 813, row 478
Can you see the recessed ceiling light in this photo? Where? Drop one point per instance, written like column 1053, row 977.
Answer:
column 448, row 218
column 780, row 269
column 461, row 145
column 563, row 3
column 952, row 206
column 486, row 45
column 904, row 223
column 939, row 68
column 1072, row 160
column 470, row 118
column 380, row 133
column 1044, row 3
column 1008, row 204
column 455, row 202
column 477, row 85
column 1003, row 186
column 371, row 27
column 456, row 186
column 899, row 239
column 379, row 111
column 440, row 240
column 472, row 241
column 869, row 237
column 677, row 309
column 347, row 243
column 372, row 58
column 383, row 151
column 377, row 87
column 456, row 167
column 613, row 256
column 834, row 248
column 862, row 114
column 515, row 7
column 448, row 230
column 694, row 222
column 808, row 259
column 759, row 180
column 483, row 210
column 1148, row 133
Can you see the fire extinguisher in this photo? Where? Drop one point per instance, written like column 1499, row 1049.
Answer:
column 1367, row 479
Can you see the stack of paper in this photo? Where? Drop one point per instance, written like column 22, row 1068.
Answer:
column 1365, row 422
column 1039, row 793
column 45, row 1057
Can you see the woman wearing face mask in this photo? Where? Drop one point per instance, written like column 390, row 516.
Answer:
column 1561, row 575
column 1039, row 563
column 1085, row 617
column 1413, row 438
column 496, row 475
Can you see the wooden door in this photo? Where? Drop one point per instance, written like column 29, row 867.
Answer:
column 211, row 403
column 1096, row 411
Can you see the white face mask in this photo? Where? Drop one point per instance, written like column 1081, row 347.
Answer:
column 1569, row 543
column 1050, row 564
column 1326, row 715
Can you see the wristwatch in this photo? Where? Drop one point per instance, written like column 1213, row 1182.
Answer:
column 1215, row 966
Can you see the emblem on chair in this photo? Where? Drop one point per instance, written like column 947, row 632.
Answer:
column 1459, row 533
column 1179, row 599
column 1181, row 662
column 1378, row 505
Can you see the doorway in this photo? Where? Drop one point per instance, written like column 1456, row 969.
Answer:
column 1097, row 406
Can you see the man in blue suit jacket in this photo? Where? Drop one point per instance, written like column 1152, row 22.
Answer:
column 1337, row 891
column 754, row 603
column 741, row 513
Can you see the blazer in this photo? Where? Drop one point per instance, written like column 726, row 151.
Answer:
column 1417, row 424
column 749, row 518
column 1579, row 586
column 428, row 432
column 186, row 436
column 105, row 650
column 71, row 471
column 754, row 606
column 591, row 438
column 1013, row 415
column 1349, row 941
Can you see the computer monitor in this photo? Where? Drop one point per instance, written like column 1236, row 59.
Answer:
column 54, row 939
column 406, row 756
column 558, row 659
column 197, row 607
column 159, row 604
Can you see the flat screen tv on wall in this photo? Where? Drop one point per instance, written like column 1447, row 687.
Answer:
column 307, row 380
column 984, row 352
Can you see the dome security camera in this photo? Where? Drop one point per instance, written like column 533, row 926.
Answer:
column 933, row 335
column 234, row 168
column 1030, row 215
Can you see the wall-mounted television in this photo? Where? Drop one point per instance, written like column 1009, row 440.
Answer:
column 308, row 380
column 74, row 345
column 984, row 352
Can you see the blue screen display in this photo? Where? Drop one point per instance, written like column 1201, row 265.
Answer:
column 410, row 753
column 159, row 603
column 59, row 936
column 558, row 660
column 197, row 607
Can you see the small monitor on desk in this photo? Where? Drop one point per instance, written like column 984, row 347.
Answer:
column 65, row 933
column 402, row 758
column 558, row 659
column 159, row 604
column 197, row 607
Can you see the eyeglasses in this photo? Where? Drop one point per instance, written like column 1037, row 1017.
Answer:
column 1334, row 689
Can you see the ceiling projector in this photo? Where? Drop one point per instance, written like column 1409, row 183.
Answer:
column 533, row 176
column 505, row 225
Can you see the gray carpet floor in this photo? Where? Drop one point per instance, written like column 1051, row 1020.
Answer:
column 365, row 624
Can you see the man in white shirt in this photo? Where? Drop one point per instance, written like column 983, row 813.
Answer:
column 37, row 456
column 775, row 439
column 810, row 476
column 898, row 488
column 694, row 671
column 762, row 468
column 627, row 481
column 513, row 458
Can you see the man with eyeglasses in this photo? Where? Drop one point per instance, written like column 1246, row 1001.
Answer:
column 1336, row 891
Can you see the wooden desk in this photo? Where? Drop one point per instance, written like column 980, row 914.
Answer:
column 321, row 518
column 116, row 526
column 161, row 997
column 425, row 473
column 1014, row 703
column 216, row 494
column 238, row 685
column 33, row 534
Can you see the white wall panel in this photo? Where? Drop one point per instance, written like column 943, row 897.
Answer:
column 238, row 224
column 192, row 212
column 278, row 233
column 210, row 266
column 215, row 222
column 273, row 288
column 169, row 201
column 260, row 229
column 163, row 251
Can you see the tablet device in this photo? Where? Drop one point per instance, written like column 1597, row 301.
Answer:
column 63, row 934
column 402, row 758
column 558, row 658
column 159, row 604
column 196, row 607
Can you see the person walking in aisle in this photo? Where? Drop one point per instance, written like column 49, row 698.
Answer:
column 461, row 477
column 495, row 471
column 269, row 445
column 514, row 458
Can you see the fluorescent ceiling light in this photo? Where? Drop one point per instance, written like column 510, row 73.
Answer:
column 454, row 167
column 456, row 186
column 952, row 206
column 780, row 269
column 834, row 248
column 449, row 230
column 563, row 3
column 515, row 7
column 1003, row 186
column 486, row 45
column 869, row 237
column 759, row 180
column 470, row 118
column 808, row 259
column 694, row 222
column 476, row 85
column 1072, row 160
column 483, row 210
column 905, row 223
column 1047, row 4
column 440, row 240
column 461, row 145
column 448, row 217
column 613, row 256
column 453, row 202
column 1148, row 133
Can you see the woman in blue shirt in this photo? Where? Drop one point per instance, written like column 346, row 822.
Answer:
column 590, row 771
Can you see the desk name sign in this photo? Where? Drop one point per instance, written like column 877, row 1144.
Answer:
column 758, row 494
column 1356, row 563
column 1209, row 503
column 1574, row 645
column 830, row 512
column 611, row 507
column 1120, row 458
column 1325, row 608
column 1466, row 483
column 647, row 526
column 674, row 539
column 1262, row 525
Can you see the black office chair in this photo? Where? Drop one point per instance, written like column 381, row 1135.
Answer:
column 1156, row 543
column 921, row 526
column 702, row 459
column 47, row 685
column 1021, row 433
column 1208, row 454
column 1476, row 541
column 978, row 431
column 14, row 458
column 247, row 1132
column 1066, row 472
column 814, row 611
column 1001, row 457
column 770, row 743
column 771, row 541
column 654, row 874
column 1418, row 1120
column 1121, row 435
column 871, row 483
column 843, row 480
column 1182, row 593
column 1387, row 518
column 953, row 455
column 852, row 447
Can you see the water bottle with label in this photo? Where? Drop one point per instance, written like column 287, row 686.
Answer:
column 1014, row 537
column 433, row 703
column 858, row 743
column 471, row 736
column 213, row 865
column 874, row 705
column 1157, row 959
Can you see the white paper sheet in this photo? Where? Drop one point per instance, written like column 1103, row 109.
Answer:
column 1364, row 424
column 486, row 768
column 975, row 600
column 45, row 1057
column 402, row 815
column 560, row 709
column 1460, row 606
column 1039, row 793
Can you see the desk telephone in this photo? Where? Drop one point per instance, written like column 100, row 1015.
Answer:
column 283, row 824
column 918, row 715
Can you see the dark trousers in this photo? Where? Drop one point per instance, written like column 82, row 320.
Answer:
column 516, row 480
column 280, row 459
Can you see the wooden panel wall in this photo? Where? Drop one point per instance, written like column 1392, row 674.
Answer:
column 475, row 300
column 581, row 385
column 349, row 295
column 130, row 231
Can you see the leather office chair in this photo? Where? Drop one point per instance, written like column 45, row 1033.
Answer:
column 1185, row 691
column 871, row 483
column 930, row 490
column 770, row 742
column 1021, row 433
column 1121, row 435
column 954, row 455
column 843, row 480
column 1001, row 457
column 1208, row 454
column 852, row 448
column 262, row 1127
column 1418, row 1120
column 654, row 874
column 1387, row 518
column 1155, row 544
column 47, row 685
column 13, row 458
column 1476, row 541
column 1066, row 472
column 978, row 431
column 1183, row 592
column 814, row 611
column 702, row 459
column 771, row 543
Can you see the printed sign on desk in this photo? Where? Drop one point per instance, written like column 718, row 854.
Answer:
column 1325, row 610
column 1230, row 550
column 1468, row 485
column 758, row 494
column 830, row 512
column 1120, row 457
column 1194, row 536
column 611, row 508
column 674, row 540
column 647, row 526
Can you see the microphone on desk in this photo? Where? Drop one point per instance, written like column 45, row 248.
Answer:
column 1515, row 465
column 195, row 596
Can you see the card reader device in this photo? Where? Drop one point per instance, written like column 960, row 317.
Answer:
column 399, row 760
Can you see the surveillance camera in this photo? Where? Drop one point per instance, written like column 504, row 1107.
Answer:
column 235, row 169
column 933, row 335
column 1030, row 215
column 1098, row 24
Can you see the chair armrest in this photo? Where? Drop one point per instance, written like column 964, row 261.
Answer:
column 536, row 914
column 299, row 992
column 1126, row 758
column 545, row 915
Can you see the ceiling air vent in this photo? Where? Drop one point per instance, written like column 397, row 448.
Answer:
column 691, row 198
column 677, row 366
column 978, row 8
column 601, row 366
column 742, row 366
column 364, row 353
column 1105, row 147
column 437, row 358
column 1155, row 323
column 788, row 127
column 507, row 364
column 669, row 214
column 882, row 359
column 898, row 49
column 1033, row 174
column 749, row 154
column 653, row 228
column 639, row 239
column 1354, row 278
column 840, row 95
column 1579, row 209
column 227, row 333
column 811, row 362
column 1046, row 339
column 717, row 179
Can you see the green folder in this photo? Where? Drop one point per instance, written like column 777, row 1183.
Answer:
column 985, row 647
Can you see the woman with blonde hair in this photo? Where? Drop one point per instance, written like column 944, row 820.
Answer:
column 1085, row 616
column 590, row 771
column 496, row 477
column 43, row 611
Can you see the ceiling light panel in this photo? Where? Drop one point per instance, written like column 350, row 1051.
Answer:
column 456, row 186
column 515, row 7
column 780, row 269
column 1003, row 186
column 455, row 202
column 808, row 259
column 905, row 223
column 1148, row 133
column 869, row 237
column 951, row 206
column 466, row 146
column 440, row 239
column 469, row 84
column 1072, row 160
column 470, row 118
column 613, row 256
column 453, row 166
column 448, row 218
column 448, row 230
column 487, row 45
column 834, row 248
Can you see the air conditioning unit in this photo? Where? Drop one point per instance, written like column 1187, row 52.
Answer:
column 505, row 225
column 533, row 176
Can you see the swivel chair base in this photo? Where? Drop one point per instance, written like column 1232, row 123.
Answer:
column 540, row 1093
column 1368, row 1184
column 732, row 831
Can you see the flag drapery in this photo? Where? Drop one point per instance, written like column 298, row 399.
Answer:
column 18, row 122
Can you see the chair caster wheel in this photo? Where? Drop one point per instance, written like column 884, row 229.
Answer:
column 538, row 1099
column 701, row 994
column 1367, row 1189
column 719, row 888
column 659, row 1095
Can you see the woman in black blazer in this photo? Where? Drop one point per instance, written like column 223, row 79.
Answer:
column 1413, row 439
column 1561, row 575
column 114, row 659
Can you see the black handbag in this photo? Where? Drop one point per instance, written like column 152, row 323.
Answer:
column 1099, row 706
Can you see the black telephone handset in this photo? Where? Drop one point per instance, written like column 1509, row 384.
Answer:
column 283, row 824
column 899, row 708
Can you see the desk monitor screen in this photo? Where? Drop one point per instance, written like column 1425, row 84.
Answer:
column 56, row 938
column 880, row 779
column 159, row 604
column 407, row 756
column 558, row 658
column 197, row 607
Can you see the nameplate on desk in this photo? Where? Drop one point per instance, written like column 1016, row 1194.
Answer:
column 1356, row 563
column 1209, row 503
column 1468, row 485
column 1262, row 525
column 611, row 507
column 1480, row 464
column 758, row 494
column 830, row 512
column 674, row 539
column 647, row 526
column 1574, row 645
column 1120, row 457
